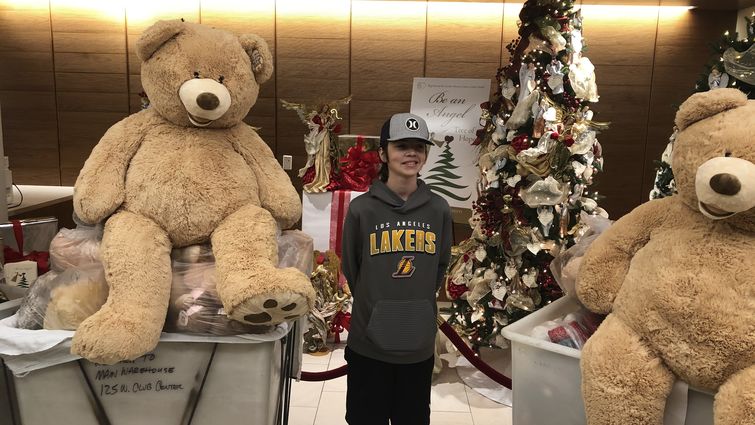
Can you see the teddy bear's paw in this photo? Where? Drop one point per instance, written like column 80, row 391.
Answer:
column 100, row 339
column 271, row 309
column 266, row 297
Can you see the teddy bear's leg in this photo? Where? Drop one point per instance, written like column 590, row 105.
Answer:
column 136, row 257
column 735, row 400
column 623, row 382
column 249, row 284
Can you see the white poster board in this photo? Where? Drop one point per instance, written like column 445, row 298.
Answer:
column 451, row 107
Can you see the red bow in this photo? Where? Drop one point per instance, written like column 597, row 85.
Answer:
column 12, row 256
column 455, row 291
column 340, row 322
column 358, row 169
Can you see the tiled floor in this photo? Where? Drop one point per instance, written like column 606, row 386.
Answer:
column 452, row 402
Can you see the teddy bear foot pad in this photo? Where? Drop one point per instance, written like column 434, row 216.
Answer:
column 268, row 309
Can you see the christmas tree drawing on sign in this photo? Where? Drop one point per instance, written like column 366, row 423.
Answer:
column 441, row 177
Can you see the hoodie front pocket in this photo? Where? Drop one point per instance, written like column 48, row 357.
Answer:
column 398, row 325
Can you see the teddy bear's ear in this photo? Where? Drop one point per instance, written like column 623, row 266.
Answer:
column 703, row 105
column 155, row 36
column 262, row 59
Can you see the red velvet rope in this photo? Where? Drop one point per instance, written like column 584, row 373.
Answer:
column 472, row 357
column 452, row 336
column 324, row 376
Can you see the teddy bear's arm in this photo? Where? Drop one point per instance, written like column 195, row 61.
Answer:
column 606, row 262
column 99, row 189
column 276, row 192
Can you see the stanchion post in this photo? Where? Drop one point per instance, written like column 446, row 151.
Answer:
column 288, row 351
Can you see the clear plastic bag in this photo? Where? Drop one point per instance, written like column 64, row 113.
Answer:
column 62, row 300
column 194, row 304
column 75, row 247
column 30, row 314
column 296, row 249
column 75, row 295
column 565, row 265
column 75, row 286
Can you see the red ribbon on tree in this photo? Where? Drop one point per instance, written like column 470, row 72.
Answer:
column 12, row 256
column 341, row 321
column 455, row 291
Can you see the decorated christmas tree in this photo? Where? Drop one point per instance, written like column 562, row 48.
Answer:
column 732, row 64
column 440, row 178
column 538, row 154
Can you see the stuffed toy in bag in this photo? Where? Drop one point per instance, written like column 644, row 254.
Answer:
column 187, row 171
column 677, row 277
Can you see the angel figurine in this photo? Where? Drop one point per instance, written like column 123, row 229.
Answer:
column 556, row 79
column 717, row 79
column 321, row 120
column 526, row 80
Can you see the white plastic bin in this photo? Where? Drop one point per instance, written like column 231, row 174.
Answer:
column 546, row 378
column 186, row 380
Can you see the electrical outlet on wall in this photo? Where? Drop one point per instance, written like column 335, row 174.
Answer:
column 287, row 160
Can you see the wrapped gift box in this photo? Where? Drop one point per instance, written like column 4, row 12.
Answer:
column 323, row 215
column 27, row 239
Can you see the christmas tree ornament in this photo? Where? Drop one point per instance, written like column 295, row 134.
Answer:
column 554, row 37
column 741, row 64
column 582, row 78
column 556, row 79
column 330, row 314
column 717, row 79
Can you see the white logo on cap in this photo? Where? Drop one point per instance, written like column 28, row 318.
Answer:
column 412, row 124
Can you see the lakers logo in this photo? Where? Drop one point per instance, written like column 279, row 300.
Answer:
column 405, row 267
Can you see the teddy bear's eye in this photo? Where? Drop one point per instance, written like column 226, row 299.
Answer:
column 220, row 79
column 196, row 74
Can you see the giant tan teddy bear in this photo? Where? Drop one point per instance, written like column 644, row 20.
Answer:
column 677, row 276
column 186, row 171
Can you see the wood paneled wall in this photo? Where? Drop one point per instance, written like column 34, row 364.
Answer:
column 69, row 70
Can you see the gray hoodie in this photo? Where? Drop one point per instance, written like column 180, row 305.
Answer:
column 394, row 256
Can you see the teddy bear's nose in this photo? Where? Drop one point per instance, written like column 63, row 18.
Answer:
column 208, row 101
column 725, row 184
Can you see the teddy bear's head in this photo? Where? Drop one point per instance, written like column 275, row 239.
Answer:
column 714, row 156
column 199, row 76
